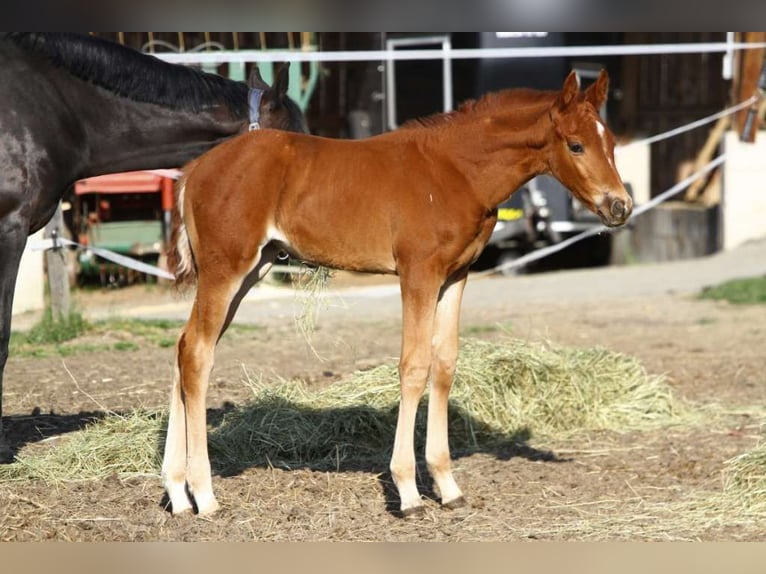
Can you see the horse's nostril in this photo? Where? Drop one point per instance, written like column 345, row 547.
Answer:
column 617, row 208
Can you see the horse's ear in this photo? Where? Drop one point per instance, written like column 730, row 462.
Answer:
column 569, row 91
column 283, row 80
column 256, row 81
column 597, row 92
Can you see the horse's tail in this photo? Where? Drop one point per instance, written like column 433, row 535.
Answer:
column 181, row 257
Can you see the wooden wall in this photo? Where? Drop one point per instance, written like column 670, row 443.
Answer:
column 661, row 92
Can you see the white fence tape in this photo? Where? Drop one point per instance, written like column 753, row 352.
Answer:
column 690, row 126
column 555, row 248
column 128, row 262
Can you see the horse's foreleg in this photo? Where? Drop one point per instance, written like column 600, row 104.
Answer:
column 13, row 238
column 418, row 306
column 444, row 361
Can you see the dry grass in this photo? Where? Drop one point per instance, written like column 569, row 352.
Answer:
column 123, row 445
column 503, row 393
column 743, row 496
column 745, row 480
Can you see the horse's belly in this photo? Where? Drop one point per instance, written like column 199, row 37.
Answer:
column 348, row 245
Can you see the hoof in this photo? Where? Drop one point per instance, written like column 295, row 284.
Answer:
column 413, row 511
column 206, row 505
column 459, row 502
column 178, row 500
column 6, row 452
column 182, row 509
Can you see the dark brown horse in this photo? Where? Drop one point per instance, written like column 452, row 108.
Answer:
column 419, row 202
column 74, row 106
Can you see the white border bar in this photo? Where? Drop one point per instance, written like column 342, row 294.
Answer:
column 224, row 56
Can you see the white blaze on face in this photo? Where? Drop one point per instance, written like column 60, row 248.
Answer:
column 602, row 133
column 601, row 129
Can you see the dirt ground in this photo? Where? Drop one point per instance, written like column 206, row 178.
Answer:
column 608, row 485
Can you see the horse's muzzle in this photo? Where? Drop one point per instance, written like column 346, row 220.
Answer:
column 615, row 211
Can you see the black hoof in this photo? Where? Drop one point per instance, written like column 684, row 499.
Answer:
column 413, row 511
column 459, row 502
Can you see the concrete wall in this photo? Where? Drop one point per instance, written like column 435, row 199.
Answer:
column 30, row 283
column 674, row 230
column 679, row 230
column 744, row 190
column 634, row 164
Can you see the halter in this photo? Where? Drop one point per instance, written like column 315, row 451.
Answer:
column 255, row 108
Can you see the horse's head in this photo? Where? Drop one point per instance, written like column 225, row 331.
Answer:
column 277, row 110
column 581, row 153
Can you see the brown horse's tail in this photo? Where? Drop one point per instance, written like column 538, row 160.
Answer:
column 180, row 256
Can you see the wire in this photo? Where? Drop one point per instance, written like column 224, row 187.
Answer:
column 555, row 248
column 688, row 127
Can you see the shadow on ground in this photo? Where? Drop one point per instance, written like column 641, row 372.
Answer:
column 282, row 434
column 23, row 430
column 277, row 433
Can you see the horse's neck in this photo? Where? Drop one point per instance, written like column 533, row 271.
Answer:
column 498, row 154
column 124, row 135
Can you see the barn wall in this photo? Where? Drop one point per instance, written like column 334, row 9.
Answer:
column 661, row 92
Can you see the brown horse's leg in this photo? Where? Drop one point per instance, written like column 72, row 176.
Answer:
column 174, row 461
column 187, row 435
column 419, row 296
column 186, row 457
column 444, row 361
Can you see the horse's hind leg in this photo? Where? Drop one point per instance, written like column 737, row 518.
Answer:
column 174, row 460
column 444, row 361
column 186, row 462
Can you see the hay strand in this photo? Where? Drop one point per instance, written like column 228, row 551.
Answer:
column 313, row 282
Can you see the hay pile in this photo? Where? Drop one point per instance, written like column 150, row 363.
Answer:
column 745, row 481
column 123, row 445
column 503, row 392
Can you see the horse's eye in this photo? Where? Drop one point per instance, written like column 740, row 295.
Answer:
column 576, row 148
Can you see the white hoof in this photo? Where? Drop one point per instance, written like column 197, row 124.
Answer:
column 206, row 503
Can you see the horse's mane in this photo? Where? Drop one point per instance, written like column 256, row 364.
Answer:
column 519, row 98
column 131, row 74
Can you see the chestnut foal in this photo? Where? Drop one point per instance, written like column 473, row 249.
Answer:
column 419, row 202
